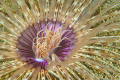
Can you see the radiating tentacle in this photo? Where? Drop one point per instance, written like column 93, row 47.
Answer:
column 99, row 15
column 79, row 64
column 20, row 75
column 15, row 6
column 53, row 73
column 8, row 25
column 76, row 68
column 35, row 11
column 35, row 73
column 73, row 73
column 101, row 54
column 12, row 18
column 4, row 36
column 90, row 23
column 11, row 66
column 48, row 75
column 75, row 18
column 42, row 74
column 26, row 11
column 61, row 39
column 7, row 47
column 23, row 68
column 28, row 74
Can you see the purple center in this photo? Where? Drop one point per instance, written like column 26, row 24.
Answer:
column 25, row 42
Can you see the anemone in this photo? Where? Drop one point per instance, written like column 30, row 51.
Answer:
column 59, row 39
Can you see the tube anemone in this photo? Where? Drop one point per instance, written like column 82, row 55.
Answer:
column 59, row 39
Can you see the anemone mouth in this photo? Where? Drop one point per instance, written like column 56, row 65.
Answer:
column 43, row 39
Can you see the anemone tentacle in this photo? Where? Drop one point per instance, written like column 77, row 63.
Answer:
column 59, row 39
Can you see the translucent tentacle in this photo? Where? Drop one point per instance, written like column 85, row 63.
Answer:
column 35, row 73
column 10, row 66
column 8, row 25
column 73, row 73
column 42, row 74
column 22, row 68
column 15, row 6
column 35, row 12
column 48, row 75
column 28, row 74
column 26, row 10
column 12, row 18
